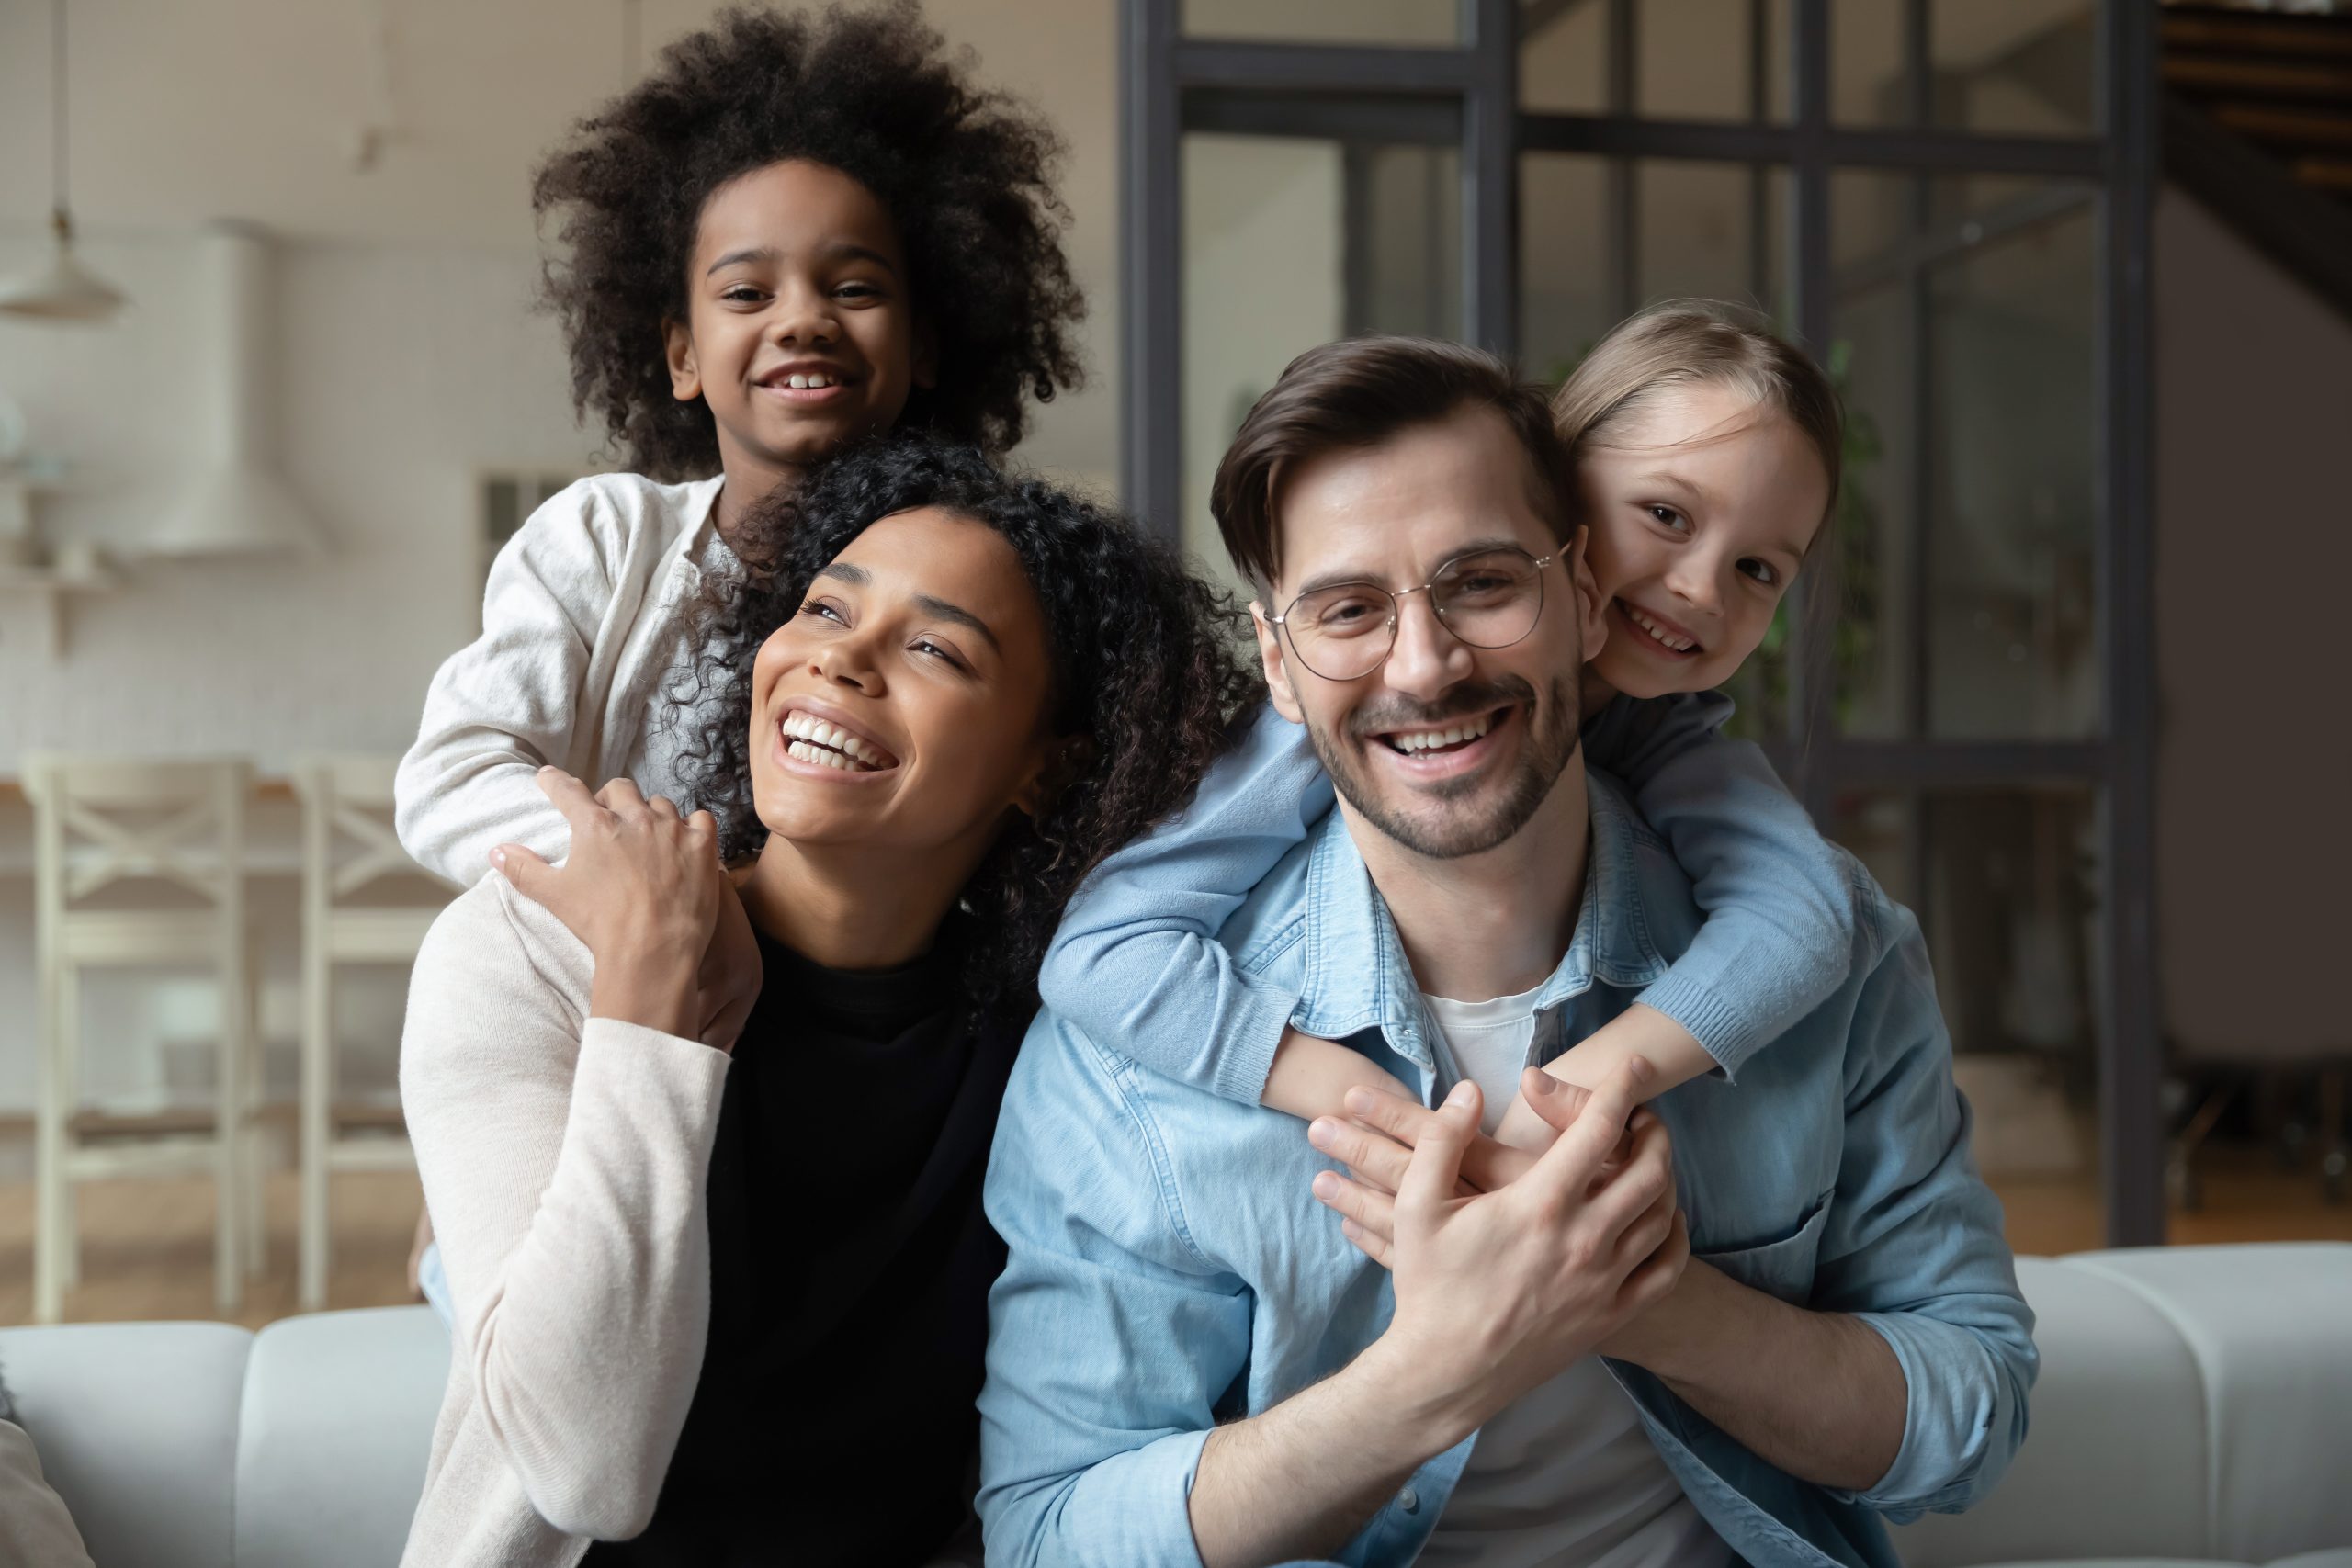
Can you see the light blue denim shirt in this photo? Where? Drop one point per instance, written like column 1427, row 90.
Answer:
column 1169, row 1268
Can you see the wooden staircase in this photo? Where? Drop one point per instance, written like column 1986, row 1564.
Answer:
column 2258, row 125
column 2279, row 79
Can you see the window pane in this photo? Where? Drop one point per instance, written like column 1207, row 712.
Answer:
column 1408, row 239
column 2016, row 67
column 1290, row 242
column 1871, row 360
column 1320, row 21
column 1867, row 85
column 1564, row 302
column 2011, row 67
column 1965, row 329
column 2013, row 646
column 1883, row 831
column 1711, row 230
column 1874, row 358
column 2009, row 885
column 1564, row 59
column 1696, row 58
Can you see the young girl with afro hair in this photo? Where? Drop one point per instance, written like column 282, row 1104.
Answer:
column 799, row 230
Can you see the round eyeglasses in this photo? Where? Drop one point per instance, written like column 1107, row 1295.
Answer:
column 1346, row 630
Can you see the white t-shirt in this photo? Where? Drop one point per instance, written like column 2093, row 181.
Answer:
column 1565, row 1478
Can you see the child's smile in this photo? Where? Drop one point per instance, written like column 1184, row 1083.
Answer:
column 805, row 383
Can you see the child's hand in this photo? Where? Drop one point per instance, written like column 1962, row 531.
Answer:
column 1669, row 1054
column 1522, row 1126
column 1311, row 1078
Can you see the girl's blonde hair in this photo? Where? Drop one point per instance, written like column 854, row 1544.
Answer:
column 1682, row 342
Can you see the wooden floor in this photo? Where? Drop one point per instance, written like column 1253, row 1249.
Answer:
column 2247, row 1197
column 148, row 1245
column 147, row 1249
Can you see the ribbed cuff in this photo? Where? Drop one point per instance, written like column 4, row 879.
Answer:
column 1727, row 1033
column 1246, row 1055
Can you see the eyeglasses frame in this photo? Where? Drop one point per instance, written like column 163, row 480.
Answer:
column 1397, row 607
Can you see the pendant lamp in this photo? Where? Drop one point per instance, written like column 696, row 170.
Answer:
column 65, row 290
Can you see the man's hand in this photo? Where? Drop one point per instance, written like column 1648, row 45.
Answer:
column 1498, row 1293
column 1377, row 1145
column 641, row 889
column 1380, row 1132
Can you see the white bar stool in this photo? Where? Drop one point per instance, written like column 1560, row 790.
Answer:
column 348, row 845
column 98, row 822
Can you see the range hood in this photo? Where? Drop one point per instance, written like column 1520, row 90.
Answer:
column 236, row 503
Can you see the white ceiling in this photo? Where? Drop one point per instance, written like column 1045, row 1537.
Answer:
column 185, row 110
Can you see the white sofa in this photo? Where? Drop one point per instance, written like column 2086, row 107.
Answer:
column 2195, row 1408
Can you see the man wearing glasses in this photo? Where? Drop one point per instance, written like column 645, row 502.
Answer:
column 1741, row 1328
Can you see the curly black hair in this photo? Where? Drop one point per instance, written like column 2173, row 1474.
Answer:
column 1147, row 664
column 963, row 171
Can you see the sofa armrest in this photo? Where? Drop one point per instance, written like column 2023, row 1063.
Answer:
column 2195, row 1401
column 136, row 1424
column 337, row 1427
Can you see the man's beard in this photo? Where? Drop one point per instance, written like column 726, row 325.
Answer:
column 1552, row 737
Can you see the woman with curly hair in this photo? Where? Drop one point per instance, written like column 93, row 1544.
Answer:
column 711, row 1293
column 797, row 230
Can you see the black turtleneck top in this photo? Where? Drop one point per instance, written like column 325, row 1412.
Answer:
column 849, row 1265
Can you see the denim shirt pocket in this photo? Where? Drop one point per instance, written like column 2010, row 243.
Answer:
column 1784, row 1268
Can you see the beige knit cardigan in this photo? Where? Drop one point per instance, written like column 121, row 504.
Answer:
column 564, row 1159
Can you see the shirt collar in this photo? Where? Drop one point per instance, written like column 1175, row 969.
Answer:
column 696, row 542
column 1357, row 975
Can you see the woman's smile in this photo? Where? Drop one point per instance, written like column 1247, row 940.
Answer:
column 816, row 740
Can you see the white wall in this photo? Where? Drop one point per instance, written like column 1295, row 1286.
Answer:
column 2253, row 775
column 403, row 369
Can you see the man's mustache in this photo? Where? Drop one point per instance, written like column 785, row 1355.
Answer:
column 1463, row 702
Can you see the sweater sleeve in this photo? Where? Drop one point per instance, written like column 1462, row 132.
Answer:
column 1137, row 960
column 563, row 1160
column 506, row 704
column 1780, row 899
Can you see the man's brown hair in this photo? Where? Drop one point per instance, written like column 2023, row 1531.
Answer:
column 1355, row 394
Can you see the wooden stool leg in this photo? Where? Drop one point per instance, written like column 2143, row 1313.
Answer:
column 229, row 1143
column 255, row 1175
column 49, row 1160
column 317, row 1131
column 66, row 1220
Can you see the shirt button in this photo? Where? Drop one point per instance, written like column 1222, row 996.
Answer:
column 1410, row 1500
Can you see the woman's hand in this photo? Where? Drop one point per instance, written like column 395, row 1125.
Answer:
column 641, row 889
column 730, row 975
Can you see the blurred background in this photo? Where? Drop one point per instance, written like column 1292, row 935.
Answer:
column 2082, row 267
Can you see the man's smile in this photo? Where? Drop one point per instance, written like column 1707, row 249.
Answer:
column 1450, row 748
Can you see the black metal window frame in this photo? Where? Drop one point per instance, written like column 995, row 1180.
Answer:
column 1466, row 95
